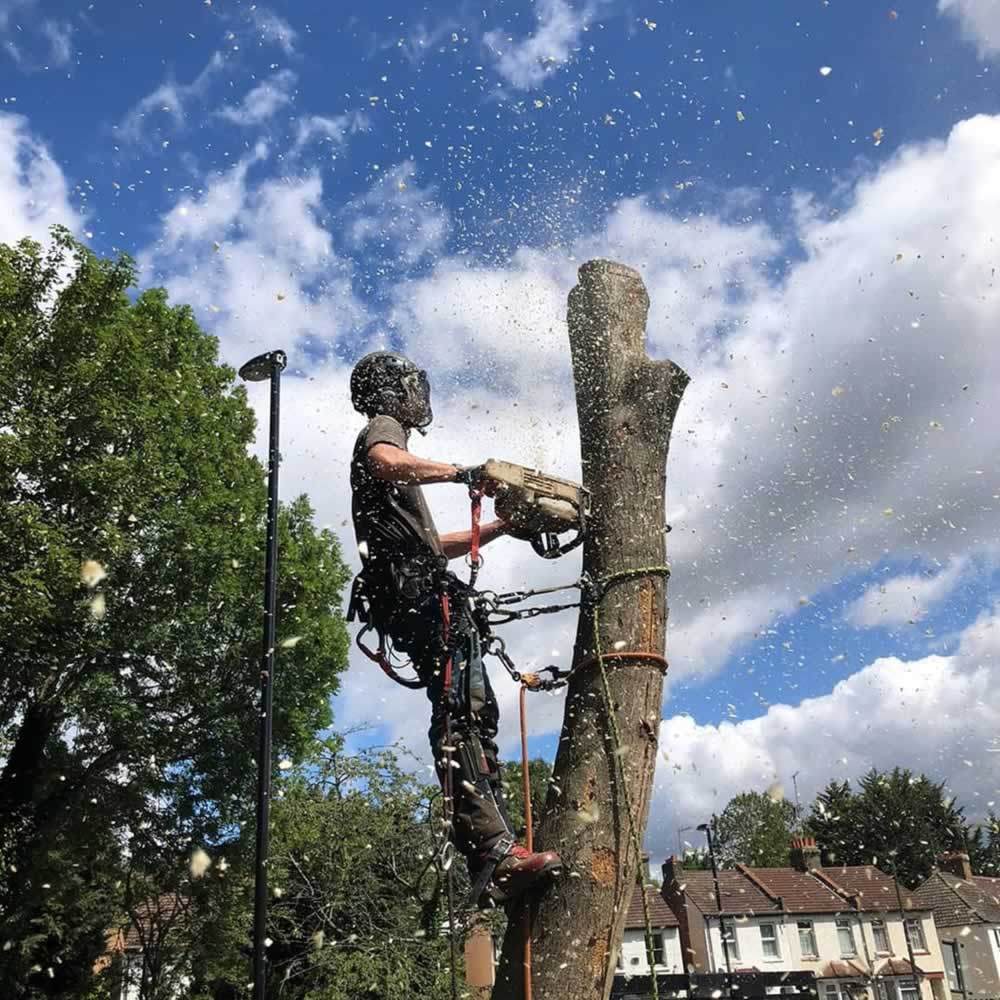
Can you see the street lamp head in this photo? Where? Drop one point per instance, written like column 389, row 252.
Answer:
column 703, row 828
column 260, row 368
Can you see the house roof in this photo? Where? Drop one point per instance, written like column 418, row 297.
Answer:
column 152, row 919
column 759, row 891
column 801, row 892
column 869, row 888
column 740, row 895
column 660, row 915
column 957, row 902
column 901, row 967
column 843, row 968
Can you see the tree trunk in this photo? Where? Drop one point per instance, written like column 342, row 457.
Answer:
column 626, row 405
column 23, row 772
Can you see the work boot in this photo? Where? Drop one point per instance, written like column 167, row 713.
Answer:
column 518, row 870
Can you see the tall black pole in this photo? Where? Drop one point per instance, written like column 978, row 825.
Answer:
column 264, row 366
column 917, row 973
column 707, row 830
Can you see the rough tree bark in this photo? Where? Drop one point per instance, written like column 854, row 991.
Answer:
column 626, row 405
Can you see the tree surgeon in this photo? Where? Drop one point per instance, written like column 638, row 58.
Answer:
column 399, row 592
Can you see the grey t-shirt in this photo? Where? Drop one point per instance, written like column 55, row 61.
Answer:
column 394, row 522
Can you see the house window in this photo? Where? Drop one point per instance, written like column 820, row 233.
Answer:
column 658, row 949
column 730, row 942
column 908, row 990
column 996, row 936
column 953, row 966
column 845, row 933
column 769, row 941
column 844, row 990
column 881, row 936
column 807, row 940
column 915, row 934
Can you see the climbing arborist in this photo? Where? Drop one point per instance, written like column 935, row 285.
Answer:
column 406, row 592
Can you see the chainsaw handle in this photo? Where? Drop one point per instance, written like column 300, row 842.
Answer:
column 548, row 546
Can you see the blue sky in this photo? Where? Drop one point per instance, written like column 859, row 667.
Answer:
column 806, row 189
column 913, row 76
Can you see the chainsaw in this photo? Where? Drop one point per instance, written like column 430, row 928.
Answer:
column 537, row 507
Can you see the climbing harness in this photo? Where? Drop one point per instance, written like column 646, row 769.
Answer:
column 381, row 656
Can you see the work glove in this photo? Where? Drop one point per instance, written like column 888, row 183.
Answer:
column 471, row 475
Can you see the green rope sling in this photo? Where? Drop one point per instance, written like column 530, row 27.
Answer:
column 611, row 581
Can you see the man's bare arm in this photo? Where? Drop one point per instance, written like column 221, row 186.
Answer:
column 458, row 543
column 397, row 465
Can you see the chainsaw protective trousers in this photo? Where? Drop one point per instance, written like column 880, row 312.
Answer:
column 480, row 815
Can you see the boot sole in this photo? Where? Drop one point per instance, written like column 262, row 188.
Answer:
column 498, row 896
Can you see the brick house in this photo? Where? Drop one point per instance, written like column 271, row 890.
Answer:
column 845, row 925
column 633, row 958
column 967, row 917
column 138, row 952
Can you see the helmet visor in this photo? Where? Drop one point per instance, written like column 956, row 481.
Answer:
column 417, row 399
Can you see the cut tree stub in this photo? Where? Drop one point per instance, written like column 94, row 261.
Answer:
column 626, row 403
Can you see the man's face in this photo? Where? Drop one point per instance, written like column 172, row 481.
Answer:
column 416, row 405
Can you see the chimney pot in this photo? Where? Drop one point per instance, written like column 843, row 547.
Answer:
column 673, row 874
column 956, row 863
column 804, row 854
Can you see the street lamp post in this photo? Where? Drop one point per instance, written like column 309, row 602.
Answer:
column 706, row 829
column 258, row 369
column 917, row 974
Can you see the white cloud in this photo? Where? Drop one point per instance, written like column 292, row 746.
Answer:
column 33, row 190
column 526, row 64
column 171, row 99
column 904, row 599
column 60, row 38
column 9, row 8
column 57, row 35
column 937, row 715
column 837, row 417
column 979, row 20
column 251, row 256
column 263, row 101
column 400, row 216
column 838, row 414
column 274, row 29
column 333, row 132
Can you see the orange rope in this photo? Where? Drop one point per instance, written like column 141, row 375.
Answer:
column 629, row 656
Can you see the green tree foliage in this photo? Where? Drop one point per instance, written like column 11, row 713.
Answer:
column 983, row 845
column 127, row 703
column 696, row 860
column 896, row 820
column 358, row 907
column 753, row 829
column 540, row 776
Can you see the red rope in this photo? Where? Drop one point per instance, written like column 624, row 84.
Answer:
column 382, row 660
column 476, row 496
